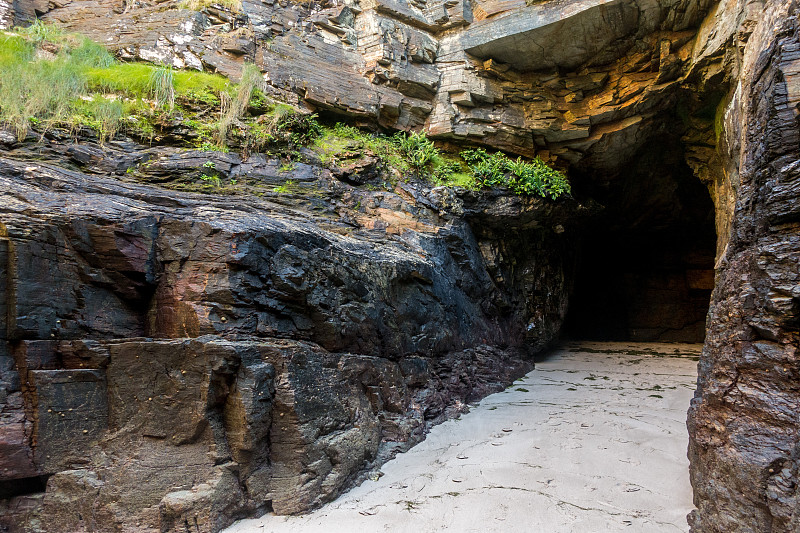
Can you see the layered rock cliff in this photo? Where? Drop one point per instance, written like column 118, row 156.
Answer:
column 743, row 421
column 176, row 360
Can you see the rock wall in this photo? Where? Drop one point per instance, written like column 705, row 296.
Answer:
column 580, row 83
column 743, row 421
column 173, row 358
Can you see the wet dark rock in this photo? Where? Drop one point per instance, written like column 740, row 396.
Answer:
column 173, row 357
column 743, row 420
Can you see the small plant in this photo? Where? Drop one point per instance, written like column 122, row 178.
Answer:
column 199, row 5
column 286, row 188
column 40, row 31
column 211, row 180
column 418, row 149
column 301, row 128
column 162, row 87
column 210, row 164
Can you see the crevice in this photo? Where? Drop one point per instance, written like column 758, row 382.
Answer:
column 21, row 487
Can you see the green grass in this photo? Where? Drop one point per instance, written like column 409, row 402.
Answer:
column 137, row 80
column 415, row 153
column 40, row 90
column 15, row 49
column 50, row 78
column 199, row 5
column 461, row 179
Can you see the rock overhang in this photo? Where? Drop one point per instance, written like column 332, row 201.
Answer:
column 560, row 34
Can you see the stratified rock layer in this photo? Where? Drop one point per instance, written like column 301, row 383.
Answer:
column 173, row 358
column 580, row 82
column 743, row 421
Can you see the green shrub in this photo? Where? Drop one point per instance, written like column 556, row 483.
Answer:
column 488, row 169
column 532, row 177
column 418, row 150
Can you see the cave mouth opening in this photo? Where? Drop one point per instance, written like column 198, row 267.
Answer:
column 645, row 268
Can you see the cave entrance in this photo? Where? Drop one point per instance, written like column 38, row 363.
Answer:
column 646, row 264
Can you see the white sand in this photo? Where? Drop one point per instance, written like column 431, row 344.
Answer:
column 596, row 444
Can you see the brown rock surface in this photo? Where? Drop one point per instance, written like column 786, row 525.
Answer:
column 180, row 358
column 743, row 421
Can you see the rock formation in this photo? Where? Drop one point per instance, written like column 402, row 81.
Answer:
column 175, row 358
column 176, row 361
column 743, row 421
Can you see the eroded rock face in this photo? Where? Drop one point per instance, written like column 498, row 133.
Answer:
column 173, row 358
column 743, row 421
column 580, row 82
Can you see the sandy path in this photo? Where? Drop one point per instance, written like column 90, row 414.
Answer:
column 593, row 440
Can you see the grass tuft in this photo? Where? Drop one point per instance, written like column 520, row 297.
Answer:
column 233, row 108
column 199, row 5
column 161, row 87
column 40, row 90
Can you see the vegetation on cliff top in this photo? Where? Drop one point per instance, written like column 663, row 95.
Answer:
column 53, row 79
column 199, row 5
column 414, row 153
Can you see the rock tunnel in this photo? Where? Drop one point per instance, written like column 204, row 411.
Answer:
column 645, row 269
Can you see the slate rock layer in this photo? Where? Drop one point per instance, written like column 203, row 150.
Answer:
column 173, row 358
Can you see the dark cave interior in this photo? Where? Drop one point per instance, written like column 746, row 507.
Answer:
column 646, row 264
